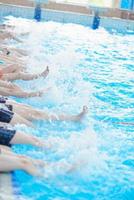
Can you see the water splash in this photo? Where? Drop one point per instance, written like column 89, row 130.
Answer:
column 86, row 67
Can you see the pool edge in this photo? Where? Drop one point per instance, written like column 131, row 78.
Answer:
column 6, row 180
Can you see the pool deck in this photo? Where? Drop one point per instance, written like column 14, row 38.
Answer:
column 6, row 193
column 83, row 9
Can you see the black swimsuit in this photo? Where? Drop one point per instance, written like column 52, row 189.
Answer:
column 5, row 115
column 10, row 107
column 3, row 101
column 6, row 136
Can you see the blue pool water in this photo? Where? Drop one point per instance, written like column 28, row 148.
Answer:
column 93, row 68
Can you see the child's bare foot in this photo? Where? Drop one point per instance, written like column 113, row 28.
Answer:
column 43, row 145
column 29, row 167
column 39, row 163
column 126, row 123
column 80, row 116
column 42, row 92
column 26, row 159
column 45, row 73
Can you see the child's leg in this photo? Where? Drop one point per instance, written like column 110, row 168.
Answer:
column 10, row 163
column 17, row 119
column 23, row 138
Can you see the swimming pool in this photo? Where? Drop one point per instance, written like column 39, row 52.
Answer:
column 93, row 68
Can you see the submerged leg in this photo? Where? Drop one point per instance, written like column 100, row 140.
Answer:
column 10, row 163
column 24, row 76
column 23, row 138
column 78, row 117
column 17, row 119
column 8, row 151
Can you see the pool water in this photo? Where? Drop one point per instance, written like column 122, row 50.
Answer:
column 93, row 68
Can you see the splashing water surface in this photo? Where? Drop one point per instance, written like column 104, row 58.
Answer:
column 93, row 68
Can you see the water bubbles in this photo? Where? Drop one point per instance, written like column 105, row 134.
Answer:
column 93, row 68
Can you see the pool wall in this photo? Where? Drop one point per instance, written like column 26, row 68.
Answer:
column 6, row 189
column 66, row 17
column 84, row 8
